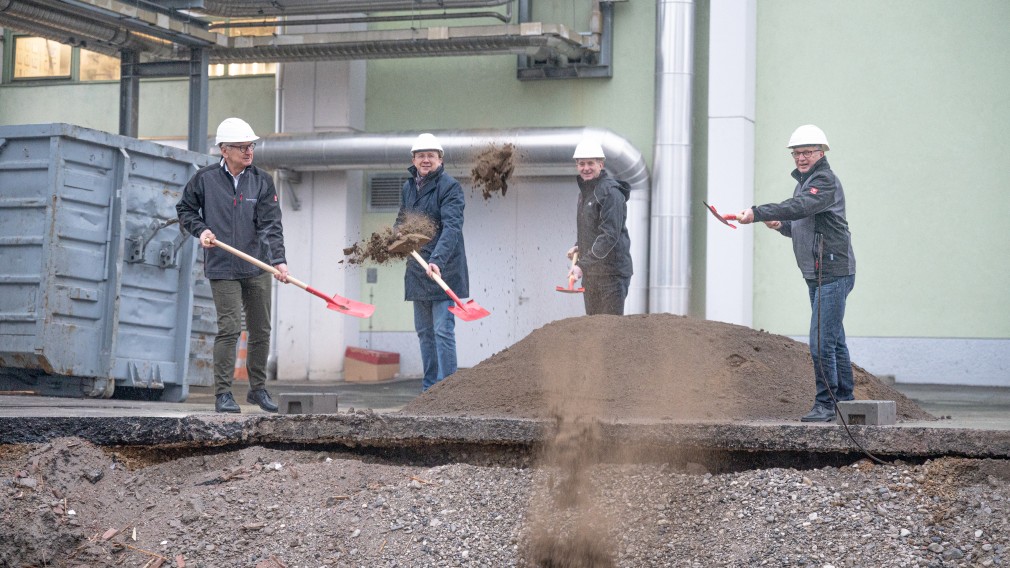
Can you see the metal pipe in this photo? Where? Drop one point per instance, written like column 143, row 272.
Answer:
column 260, row 8
column 362, row 20
column 670, row 262
column 545, row 152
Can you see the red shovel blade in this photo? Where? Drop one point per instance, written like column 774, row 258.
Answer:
column 344, row 305
column 469, row 311
column 570, row 289
column 722, row 218
column 350, row 307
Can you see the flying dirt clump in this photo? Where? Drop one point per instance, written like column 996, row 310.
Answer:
column 494, row 169
column 375, row 249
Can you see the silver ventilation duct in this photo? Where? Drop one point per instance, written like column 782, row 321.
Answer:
column 545, row 152
column 535, row 39
column 271, row 8
column 72, row 29
column 109, row 26
column 670, row 261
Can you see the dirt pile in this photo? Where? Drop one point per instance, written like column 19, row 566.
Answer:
column 645, row 367
column 656, row 367
column 375, row 249
column 493, row 169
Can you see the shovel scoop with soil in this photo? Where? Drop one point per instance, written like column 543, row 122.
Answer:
column 408, row 243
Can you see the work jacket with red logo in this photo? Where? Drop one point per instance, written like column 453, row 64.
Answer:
column 812, row 217
column 247, row 217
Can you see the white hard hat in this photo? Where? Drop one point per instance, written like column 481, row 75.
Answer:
column 426, row 141
column 588, row 149
column 235, row 130
column 808, row 135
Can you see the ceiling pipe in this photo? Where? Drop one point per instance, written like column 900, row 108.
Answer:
column 544, row 151
column 259, row 8
column 72, row 29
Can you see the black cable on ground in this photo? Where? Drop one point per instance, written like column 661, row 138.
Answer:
column 820, row 355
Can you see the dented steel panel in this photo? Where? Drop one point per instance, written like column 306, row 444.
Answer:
column 96, row 280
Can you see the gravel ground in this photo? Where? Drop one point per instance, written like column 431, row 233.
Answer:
column 268, row 508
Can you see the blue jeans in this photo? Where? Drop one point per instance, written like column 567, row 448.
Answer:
column 830, row 354
column 435, row 326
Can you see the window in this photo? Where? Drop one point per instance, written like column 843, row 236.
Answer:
column 37, row 58
column 98, row 67
column 236, row 27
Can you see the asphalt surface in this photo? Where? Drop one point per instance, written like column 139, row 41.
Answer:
column 974, row 422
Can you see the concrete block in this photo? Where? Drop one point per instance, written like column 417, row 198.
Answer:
column 868, row 412
column 307, row 403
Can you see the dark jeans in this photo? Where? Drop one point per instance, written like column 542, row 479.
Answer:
column 830, row 354
column 436, row 330
column 231, row 297
column 605, row 293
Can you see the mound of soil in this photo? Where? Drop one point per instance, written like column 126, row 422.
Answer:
column 645, row 367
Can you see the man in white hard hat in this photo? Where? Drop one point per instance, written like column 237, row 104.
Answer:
column 433, row 193
column 814, row 218
column 602, row 241
column 237, row 201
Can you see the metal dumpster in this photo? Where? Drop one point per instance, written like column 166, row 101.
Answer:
column 96, row 279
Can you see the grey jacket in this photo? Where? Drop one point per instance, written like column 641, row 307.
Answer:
column 247, row 218
column 815, row 215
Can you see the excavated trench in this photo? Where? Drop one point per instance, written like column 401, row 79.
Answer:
column 582, row 414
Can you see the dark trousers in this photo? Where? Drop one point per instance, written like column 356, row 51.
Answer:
column 231, row 298
column 605, row 293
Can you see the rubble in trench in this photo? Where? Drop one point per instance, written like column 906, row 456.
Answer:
column 69, row 503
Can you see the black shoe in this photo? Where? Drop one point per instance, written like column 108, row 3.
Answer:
column 819, row 414
column 225, row 402
column 262, row 398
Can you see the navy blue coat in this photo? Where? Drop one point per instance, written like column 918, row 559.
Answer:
column 441, row 199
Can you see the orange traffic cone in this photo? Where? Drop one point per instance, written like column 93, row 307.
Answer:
column 241, row 371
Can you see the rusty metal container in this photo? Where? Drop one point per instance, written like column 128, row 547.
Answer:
column 96, row 279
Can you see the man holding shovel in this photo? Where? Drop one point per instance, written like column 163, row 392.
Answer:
column 602, row 242
column 437, row 195
column 235, row 199
column 814, row 218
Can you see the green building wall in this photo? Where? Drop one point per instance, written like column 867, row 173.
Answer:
column 912, row 97
column 911, row 94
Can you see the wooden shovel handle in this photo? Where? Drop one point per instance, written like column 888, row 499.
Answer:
column 572, row 279
column 258, row 262
column 436, row 278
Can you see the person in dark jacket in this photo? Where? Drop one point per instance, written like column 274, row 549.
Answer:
column 814, row 218
column 433, row 193
column 602, row 241
column 237, row 202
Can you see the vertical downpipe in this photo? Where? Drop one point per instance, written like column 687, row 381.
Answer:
column 275, row 291
column 670, row 243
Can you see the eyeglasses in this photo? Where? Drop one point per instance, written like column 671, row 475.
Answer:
column 243, row 148
column 804, row 153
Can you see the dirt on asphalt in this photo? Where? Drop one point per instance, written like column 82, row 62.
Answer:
column 69, row 503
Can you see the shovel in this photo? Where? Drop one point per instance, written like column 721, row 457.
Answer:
column 336, row 303
column 571, row 289
column 724, row 219
column 467, row 312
